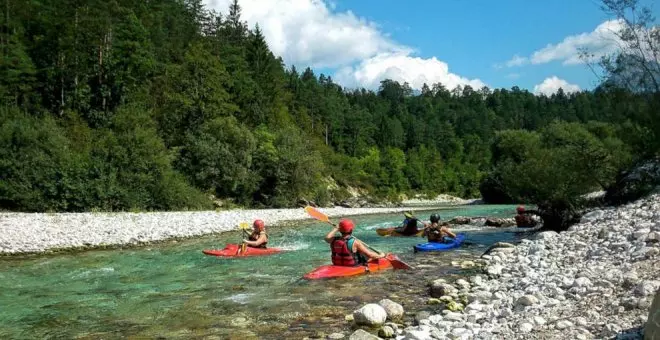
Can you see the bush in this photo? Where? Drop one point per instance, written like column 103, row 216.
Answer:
column 569, row 162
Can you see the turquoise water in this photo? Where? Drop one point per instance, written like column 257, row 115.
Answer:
column 173, row 291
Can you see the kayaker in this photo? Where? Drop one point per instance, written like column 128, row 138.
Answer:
column 524, row 218
column 258, row 238
column 409, row 225
column 347, row 250
column 438, row 232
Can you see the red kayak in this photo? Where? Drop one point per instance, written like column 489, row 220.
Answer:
column 233, row 250
column 331, row 271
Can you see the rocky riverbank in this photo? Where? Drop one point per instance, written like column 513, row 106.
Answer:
column 594, row 281
column 39, row 232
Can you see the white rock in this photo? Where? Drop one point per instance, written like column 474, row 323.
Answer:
column 646, row 288
column 453, row 316
column 538, row 320
column 526, row 327
column 546, row 235
column 394, row 310
column 563, row 324
column 582, row 282
column 370, row 315
column 494, row 270
column 527, row 300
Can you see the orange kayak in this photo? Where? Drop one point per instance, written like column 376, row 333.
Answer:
column 233, row 250
column 331, row 271
column 393, row 232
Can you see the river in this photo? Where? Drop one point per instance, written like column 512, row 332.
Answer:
column 172, row 291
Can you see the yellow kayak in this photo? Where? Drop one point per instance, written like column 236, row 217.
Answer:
column 393, row 232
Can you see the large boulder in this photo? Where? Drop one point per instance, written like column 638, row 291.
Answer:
column 652, row 329
column 370, row 315
column 638, row 182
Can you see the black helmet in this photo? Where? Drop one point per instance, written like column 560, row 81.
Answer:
column 435, row 218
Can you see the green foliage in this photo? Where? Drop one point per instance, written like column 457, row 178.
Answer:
column 156, row 105
column 568, row 162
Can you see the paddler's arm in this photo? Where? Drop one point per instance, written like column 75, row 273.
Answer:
column 449, row 232
column 261, row 240
column 361, row 248
column 331, row 235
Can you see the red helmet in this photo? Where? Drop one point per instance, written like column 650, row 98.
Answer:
column 520, row 209
column 346, row 226
column 259, row 224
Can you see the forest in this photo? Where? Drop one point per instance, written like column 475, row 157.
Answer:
column 162, row 105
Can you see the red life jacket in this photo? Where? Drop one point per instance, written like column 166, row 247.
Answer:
column 341, row 254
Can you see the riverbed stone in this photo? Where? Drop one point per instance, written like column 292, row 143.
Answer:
column 394, row 310
column 336, row 336
column 527, row 300
column 441, row 287
column 386, row 332
column 361, row 334
column 370, row 315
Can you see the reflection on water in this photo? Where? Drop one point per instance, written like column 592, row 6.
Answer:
column 173, row 291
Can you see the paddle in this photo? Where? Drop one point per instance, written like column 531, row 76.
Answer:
column 396, row 262
column 243, row 226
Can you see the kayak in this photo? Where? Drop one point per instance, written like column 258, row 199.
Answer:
column 331, row 271
column 437, row 246
column 393, row 232
column 232, row 250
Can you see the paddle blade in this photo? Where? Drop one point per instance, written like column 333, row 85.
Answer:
column 243, row 226
column 397, row 263
column 317, row 214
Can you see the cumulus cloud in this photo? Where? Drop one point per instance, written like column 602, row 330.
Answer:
column 600, row 42
column 414, row 70
column 551, row 85
column 311, row 33
column 307, row 32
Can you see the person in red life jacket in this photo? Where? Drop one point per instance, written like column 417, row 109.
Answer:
column 346, row 249
column 524, row 218
column 258, row 238
column 409, row 225
column 438, row 232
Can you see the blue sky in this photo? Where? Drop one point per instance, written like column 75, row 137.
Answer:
column 532, row 44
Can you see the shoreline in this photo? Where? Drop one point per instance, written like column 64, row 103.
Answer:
column 597, row 280
column 45, row 233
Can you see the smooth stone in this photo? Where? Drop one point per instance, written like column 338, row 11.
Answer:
column 361, row 334
column 336, row 336
column 394, row 310
column 370, row 315
column 527, row 300
column 526, row 327
column 386, row 332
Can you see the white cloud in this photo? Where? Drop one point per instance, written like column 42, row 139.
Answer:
column 600, row 42
column 553, row 84
column 310, row 33
column 517, row 61
column 307, row 32
column 402, row 67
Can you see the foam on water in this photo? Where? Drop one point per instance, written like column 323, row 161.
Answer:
column 242, row 298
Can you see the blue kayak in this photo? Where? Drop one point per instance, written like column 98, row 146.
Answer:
column 437, row 246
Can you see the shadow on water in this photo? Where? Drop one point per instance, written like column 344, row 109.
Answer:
column 173, row 291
